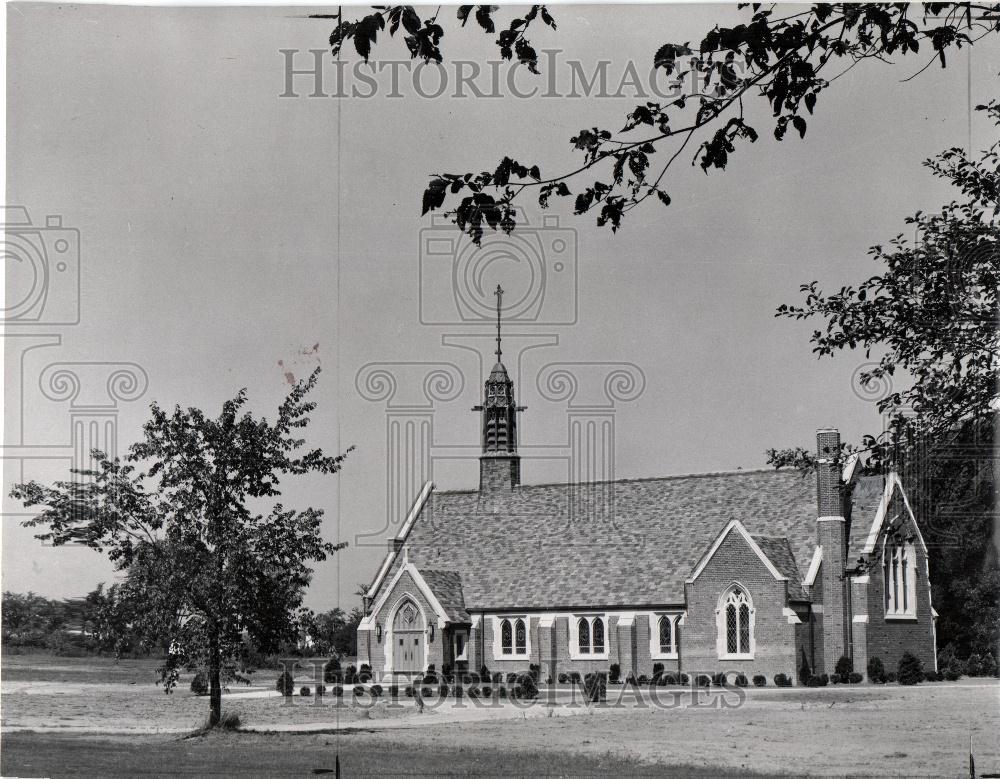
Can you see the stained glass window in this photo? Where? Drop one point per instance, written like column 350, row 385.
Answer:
column 598, row 635
column 584, row 627
column 520, row 643
column 666, row 636
column 737, row 622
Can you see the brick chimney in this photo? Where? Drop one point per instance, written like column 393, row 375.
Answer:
column 831, row 534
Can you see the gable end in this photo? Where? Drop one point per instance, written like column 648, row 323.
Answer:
column 737, row 526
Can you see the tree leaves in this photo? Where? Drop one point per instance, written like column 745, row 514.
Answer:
column 666, row 56
column 715, row 152
column 931, row 313
column 175, row 515
column 484, row 19
column 930, row 317
column 784, row 58
column 800, row 125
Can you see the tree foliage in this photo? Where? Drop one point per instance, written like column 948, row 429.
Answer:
column 928, row 323
column 30, row 619
column 782, row 55
column 179, row 515
column 96, row 623
column 330, row 632
column 930, row 316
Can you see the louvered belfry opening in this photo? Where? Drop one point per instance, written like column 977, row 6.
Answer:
column 499, row 413
column 499, row 464
column 500, row 467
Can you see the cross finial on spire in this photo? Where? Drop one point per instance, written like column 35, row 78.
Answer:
column 499, row 294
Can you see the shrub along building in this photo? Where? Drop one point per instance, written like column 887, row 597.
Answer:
column 749, row 571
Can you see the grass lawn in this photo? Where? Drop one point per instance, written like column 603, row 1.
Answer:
column 97, row 670
column 247, row 755
column 60, row 714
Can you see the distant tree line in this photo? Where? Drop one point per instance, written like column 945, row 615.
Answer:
column 98, row 623
column 93, row 624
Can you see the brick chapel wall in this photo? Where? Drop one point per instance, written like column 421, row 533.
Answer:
column 502, row 664
column 628, row 646
column 433, row 648
column 735, row 562
column 889, row 639
column 363, row 639
column 548, row 648
column 645, row 627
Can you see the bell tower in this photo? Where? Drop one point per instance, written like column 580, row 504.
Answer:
column 499, row 464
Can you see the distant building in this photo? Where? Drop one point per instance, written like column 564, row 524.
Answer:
column 749, row 571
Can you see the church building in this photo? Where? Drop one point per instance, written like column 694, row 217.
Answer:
column 747, row 571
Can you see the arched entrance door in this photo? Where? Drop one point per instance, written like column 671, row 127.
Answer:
column 408, row 639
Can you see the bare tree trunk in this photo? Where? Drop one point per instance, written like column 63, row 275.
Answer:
column 214, row 680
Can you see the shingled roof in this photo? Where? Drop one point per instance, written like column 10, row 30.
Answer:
column 615, row 544
column 779, row 552
column 447, row 588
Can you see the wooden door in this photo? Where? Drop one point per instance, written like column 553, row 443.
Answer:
column 408, row 639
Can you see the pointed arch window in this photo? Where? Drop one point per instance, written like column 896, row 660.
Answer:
column 590, row 636
column 735, row 622
column 598, row 635
column 899, row 580
column 513, row 637
column 666, row 628
column 664, row 634
column 507, row 637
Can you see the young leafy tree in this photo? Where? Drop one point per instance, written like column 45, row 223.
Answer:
column 180, row 514
column 786, row 56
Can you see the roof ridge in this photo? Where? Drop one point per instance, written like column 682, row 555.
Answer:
column 632, row 480
column 669, row 477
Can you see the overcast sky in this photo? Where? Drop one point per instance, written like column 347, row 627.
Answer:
column 230, row 237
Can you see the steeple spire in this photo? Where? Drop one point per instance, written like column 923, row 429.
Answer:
column 499, row 294
column 500, row 464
